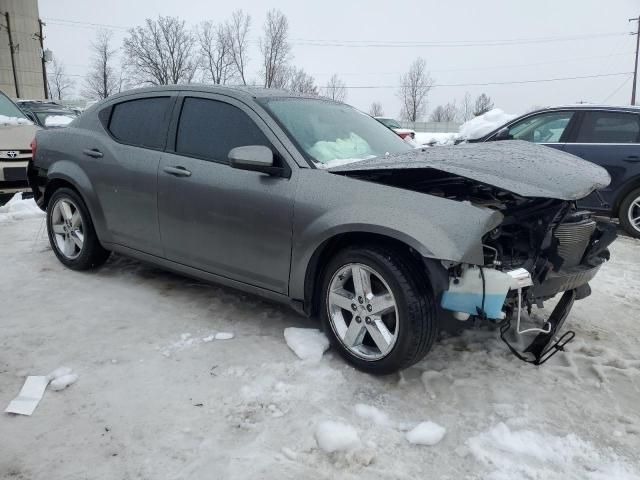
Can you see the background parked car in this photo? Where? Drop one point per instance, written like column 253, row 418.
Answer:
column 16, row 134
column 606, row 135
column 396, row 127
column 47, row 114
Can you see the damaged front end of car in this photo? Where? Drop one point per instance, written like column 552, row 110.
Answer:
column 543, row 247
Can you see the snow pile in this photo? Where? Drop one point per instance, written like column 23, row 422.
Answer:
column 334, row 436
column 57, row 121
column 436, row 138
column 307, row 343
column 18, row 208
column 4, row 120
column 374, row 414
column 426, row 433
column 61, row 378
column 527, row 454
column 483, row 124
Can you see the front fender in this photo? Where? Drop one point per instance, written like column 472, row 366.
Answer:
column 328, row 205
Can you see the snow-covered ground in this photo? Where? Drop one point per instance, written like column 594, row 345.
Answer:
column 158, row 396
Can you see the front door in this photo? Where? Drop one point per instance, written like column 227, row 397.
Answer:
column 215, row 218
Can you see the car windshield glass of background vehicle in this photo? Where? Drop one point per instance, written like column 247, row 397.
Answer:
column 8, row 109
column 334, row 134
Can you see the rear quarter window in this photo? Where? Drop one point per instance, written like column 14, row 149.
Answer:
column 142, row 122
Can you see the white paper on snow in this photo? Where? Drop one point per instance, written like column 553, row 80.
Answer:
column 29, row 397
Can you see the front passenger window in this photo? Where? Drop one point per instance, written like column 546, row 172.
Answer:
column 209, row 129
column 543, row 128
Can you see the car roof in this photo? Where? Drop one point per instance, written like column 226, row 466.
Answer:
column 591, row 106
column 243, row 91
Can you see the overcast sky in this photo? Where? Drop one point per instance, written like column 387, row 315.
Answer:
column 540, row 39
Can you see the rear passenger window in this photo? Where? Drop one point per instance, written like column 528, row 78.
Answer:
column 609, row 127
column 141, row 122
column 209, row 129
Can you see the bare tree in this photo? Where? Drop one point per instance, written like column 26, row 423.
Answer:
column 444, row 113
column 59, row 81
column 301, row 82
column 161, row 52
column 375, row 110
column 102, row 79
column 336, row 89
column 215, row 52
column 275, row 49
column 237, row 31
column 414, row 88
column 466, row 108
column 483, row 104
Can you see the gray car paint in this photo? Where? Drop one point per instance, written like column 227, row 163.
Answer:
column 524, row 168
column 252, row 231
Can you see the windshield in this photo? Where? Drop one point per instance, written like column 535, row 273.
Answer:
column 9, row 109
column 332, row 134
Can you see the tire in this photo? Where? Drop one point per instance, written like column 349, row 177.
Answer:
column 630, row 210
column 71, row 233
column 412, row 322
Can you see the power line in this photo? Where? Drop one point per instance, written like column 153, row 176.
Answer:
column 512, row 82
column 617, row 89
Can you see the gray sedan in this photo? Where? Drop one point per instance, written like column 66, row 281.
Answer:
column 311, row 202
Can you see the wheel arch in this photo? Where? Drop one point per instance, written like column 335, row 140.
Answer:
column 431, row 270
column 626, row 189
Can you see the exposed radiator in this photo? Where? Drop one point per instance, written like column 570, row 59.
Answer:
column 573, row 240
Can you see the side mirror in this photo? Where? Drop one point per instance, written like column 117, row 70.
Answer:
column 255, row 158
column 503, row 134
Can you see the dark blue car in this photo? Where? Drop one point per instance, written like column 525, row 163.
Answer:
column 606, row 135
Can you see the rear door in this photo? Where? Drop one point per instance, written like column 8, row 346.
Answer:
column 229, row 222
column 610, row 139
column 124, row 168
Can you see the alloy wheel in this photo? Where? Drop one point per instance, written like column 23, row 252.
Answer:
column 633, row 214
column 68, row 228
column 362, row 311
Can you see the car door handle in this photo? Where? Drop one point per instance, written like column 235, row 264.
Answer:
column 92, row 152
column 632, row 159
column 177, row 171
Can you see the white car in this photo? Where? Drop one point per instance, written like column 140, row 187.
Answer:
column 16, row 134
column 396, row 127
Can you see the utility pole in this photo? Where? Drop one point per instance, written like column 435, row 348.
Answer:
column 635, row 69
column 44, row 62
column 12, row 50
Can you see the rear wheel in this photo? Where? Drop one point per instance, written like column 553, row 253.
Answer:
column 629, row 214
column 377, row 309
column 71, row 232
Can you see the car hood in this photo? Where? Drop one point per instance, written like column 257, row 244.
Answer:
column 523, row 168
column 17, row 137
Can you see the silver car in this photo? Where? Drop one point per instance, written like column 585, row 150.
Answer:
column 310, row 202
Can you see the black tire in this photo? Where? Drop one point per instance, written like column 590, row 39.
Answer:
column 416, row 311
column 92, row 254
column 627, row 208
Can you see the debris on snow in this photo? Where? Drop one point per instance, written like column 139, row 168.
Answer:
column 209, row 338
column 426, row 433
column 334, row 436
column 224, row 336
column 59, row 372
column 528, row 454
column 307, row 343
column 290, row 454
column 30, row 395
column 18, row 208
column 60, row 383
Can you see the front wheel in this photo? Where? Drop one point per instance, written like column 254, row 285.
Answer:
column 377, row 309
column 629, row 214
column 71, row 232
